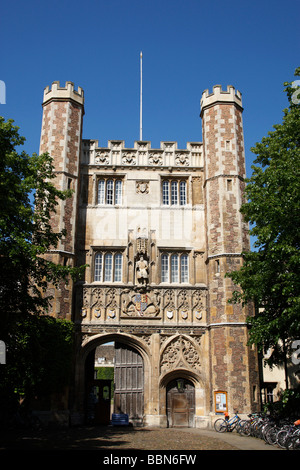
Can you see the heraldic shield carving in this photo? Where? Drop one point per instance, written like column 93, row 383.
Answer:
column 140, row 304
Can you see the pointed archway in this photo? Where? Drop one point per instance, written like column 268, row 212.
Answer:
column 130, row 389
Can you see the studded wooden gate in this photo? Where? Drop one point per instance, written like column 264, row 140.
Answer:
column 129, row 383
column 180, row 403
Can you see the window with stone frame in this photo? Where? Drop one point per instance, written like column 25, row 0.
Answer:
column 174, row 268
column 109, row 191
column 174, row 192
column 108, row 266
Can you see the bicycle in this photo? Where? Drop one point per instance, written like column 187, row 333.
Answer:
column 251, row 426
column 285, row 433
column 228, row 425
column 292, row 442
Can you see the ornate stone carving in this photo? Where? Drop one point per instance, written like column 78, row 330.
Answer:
column 102, row 158
column 140, row 303
column 183, row 304
column 142, row 187
column 170, row 308
column 155, row 159
column 141, row 300
column 145, row 338
column 180, row 352
column 129, row 159
column 111, row 303
column 199, row 303
column 85, row 302
column 182, row 160
column 98, row 302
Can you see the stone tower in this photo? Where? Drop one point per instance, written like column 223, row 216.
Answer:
column 226, row 238
column 63, row 110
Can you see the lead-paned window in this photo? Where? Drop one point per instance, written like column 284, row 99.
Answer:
column 108, row 267
column 174, row 192
column 118, row 267
column 175, row 268
column 184, row 268
column 110, row 191
column 165, row 192
column 118, row 192
column 165, row 268
column 98, row 267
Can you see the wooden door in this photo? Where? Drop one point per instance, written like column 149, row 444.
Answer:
column 129, row 383
column 180, row 403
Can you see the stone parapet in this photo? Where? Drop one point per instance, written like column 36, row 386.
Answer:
column 220, row 96
column 116, row 154
column 56, row 92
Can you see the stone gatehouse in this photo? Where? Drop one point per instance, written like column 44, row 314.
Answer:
column 158, row 229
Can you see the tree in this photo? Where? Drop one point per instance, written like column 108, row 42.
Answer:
column 270, row 275
column 28, row 197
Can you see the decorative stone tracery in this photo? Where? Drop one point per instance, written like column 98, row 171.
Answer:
column 180, row 353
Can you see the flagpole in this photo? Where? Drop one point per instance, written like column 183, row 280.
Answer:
column 141, row 96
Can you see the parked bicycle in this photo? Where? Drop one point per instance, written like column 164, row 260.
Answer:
column 292, row 440
column 228, row 425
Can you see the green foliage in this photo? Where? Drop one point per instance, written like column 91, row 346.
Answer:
column 270, row 275
column 25, row 228
column 288, row 406
column 38, row 347
column 40, row 358
column 105, row 373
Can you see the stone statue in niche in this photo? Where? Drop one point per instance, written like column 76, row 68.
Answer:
column 142, row 270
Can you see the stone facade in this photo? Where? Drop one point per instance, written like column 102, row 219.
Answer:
column 158, row 229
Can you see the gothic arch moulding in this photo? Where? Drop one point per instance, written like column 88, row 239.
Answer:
column 91, row 342
column 180, row 353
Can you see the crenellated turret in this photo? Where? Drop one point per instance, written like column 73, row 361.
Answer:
column 63, row 109
column 226, row 238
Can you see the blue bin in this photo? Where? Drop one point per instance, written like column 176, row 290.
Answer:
column 119, row 419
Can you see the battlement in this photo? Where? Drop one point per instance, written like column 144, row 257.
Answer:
column 220, row 96
column 168, row 155
column 63, row 93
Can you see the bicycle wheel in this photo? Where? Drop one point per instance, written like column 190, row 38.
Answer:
column 282, row 436
column 220, row 425
column 241, row 427
column 246, row 428
column 265, row 431
column 296, row 443
column 289, row 443
column 271, row 436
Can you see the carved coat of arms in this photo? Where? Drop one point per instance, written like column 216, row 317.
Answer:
column 141, row 303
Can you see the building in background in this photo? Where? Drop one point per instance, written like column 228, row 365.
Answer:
column 158, row 228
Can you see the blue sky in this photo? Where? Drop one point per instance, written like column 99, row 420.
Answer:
column 187, row 46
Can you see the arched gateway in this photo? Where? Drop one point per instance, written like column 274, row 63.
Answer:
column 147, row 388
column 157, row 229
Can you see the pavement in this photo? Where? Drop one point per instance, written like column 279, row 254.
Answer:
column 234, row 439
column 129, row 438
